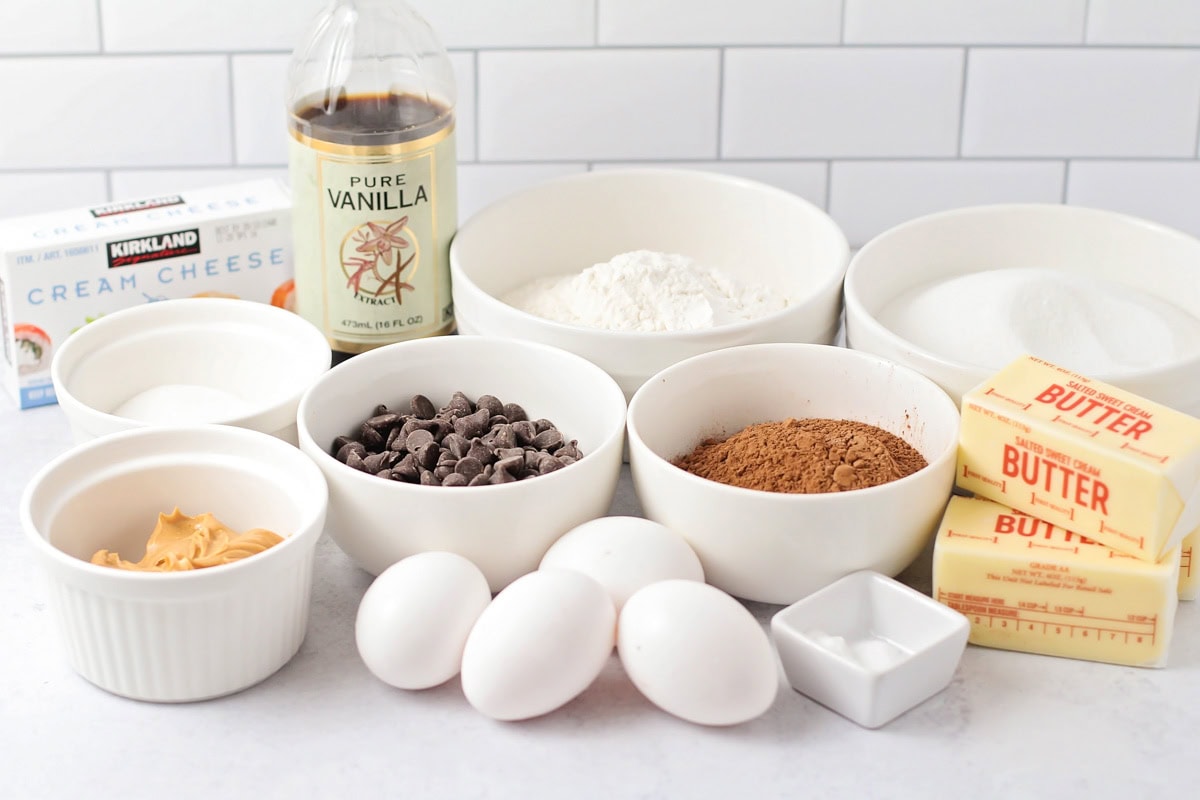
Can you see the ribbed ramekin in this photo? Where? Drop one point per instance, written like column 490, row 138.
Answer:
column 183, row 636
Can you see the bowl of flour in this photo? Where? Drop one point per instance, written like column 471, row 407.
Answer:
column 959, row 294
column 637, row 269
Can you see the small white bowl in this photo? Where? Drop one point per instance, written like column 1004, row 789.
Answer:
column 1077, row 241
column 504, row 529
column 774, row 547
column 750, row 231
column 869, row 647
column 254, row 358
column 180, row 636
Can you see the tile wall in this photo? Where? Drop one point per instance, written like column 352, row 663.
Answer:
column 877, row 110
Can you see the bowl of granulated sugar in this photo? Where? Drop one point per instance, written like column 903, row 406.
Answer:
column 637, row 269
column 959, row 294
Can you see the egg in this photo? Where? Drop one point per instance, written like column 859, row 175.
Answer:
column 414, row 619
column 624, row 554
column 697, row 653
column 540, row 643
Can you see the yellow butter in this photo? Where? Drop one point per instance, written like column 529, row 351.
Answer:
column 1082, row 455
column 1189, row 577
column 1027, row 585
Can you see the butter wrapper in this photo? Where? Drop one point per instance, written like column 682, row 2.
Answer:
column 1083, row 455
column 1027, row 585
column 60, row 271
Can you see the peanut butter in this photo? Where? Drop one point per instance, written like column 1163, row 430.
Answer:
column 180, row 542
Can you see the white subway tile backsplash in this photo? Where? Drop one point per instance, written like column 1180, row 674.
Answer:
column 868, row 197
column 24, row 193
column 598, row 104
column 129, row 184
column 155, row 26
column 48, row 26
column 482, row 184
column 1164, row 191
column 1143, row 22
column 259, row 110
column 116, row 112
column 511, row 23
column 1074, row 102
column 959, row 22
column 464, row 109
column 808, row 179
column 625, row 22
column 841, row 102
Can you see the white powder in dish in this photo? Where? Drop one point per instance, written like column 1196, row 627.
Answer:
column 179, row 403
column 1091, row 326
column 646, row 291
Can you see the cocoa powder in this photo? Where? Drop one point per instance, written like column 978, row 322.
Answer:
column 805, row 456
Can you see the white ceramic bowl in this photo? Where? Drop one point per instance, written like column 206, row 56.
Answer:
column 752, row 232
column 222, row 360
column 504, row 529
column 1079, row 241
column 181, row 636
column 869, row 647
column 775, row 547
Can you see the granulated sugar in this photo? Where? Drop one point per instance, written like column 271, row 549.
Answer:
column 646, row 291
column 1085, row 324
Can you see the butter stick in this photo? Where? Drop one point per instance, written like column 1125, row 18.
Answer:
column 1025, row 584
column 1082, row 455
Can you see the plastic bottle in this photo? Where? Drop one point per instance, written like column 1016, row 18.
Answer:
column 370, row 104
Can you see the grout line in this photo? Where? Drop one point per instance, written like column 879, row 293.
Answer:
column 475, row 101
column 1066, row 179
column 1087, row 12
column 842, row 25
column 100, row 26
column 720, row 102
column 962, row 100
column 108, row 184
column 1100, row 46
column 595, row 23
column 1196, row 149
column 828, row 184
column 233, row 137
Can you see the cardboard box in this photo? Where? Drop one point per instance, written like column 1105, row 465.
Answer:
column 60, row 271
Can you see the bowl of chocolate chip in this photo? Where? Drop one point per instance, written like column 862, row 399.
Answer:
column 488, row 448
column 787, row 466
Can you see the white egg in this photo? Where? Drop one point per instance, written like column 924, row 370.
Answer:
column 414, row 619
column 624, row 554
column 697, row 653
column 541, row 642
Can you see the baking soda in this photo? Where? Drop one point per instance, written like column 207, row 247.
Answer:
column 1091, row 326
column 646, row 291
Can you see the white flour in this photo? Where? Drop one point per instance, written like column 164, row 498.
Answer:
column 1090, row 326
column 646, row 291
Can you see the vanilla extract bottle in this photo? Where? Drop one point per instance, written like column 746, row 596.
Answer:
column 372, row 165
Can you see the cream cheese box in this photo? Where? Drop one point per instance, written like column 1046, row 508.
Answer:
column 61, row 270
column 1082, row 455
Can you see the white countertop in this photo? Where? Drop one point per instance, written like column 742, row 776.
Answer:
column 1010, row 725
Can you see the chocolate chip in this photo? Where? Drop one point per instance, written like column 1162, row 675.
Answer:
column 524, row 431
column 407, row 468
column 417, row 439
column 441, row 471
column 491, row 403
column 480, row 451
column 504, row 437
column 543, row 425
column 478, row 480
column 548, row 440
column 515, row 413
column 511, row 465
column 501, row 476
column 469, row 467
column 375, row 462
column 429, row 479
column 548, row 463
column 427, row 455
column 371, row 438
column 422, row 407
column 456, row 444
column 460, row 405
column 454, row 479
column 355, row 461
column 345, row 450
column 381, row 422
column 472, row 425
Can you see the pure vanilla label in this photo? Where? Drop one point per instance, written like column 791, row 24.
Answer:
column 1084, row 455
column 372, row 252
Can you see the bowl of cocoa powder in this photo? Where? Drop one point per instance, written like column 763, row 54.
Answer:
column 787, row 466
